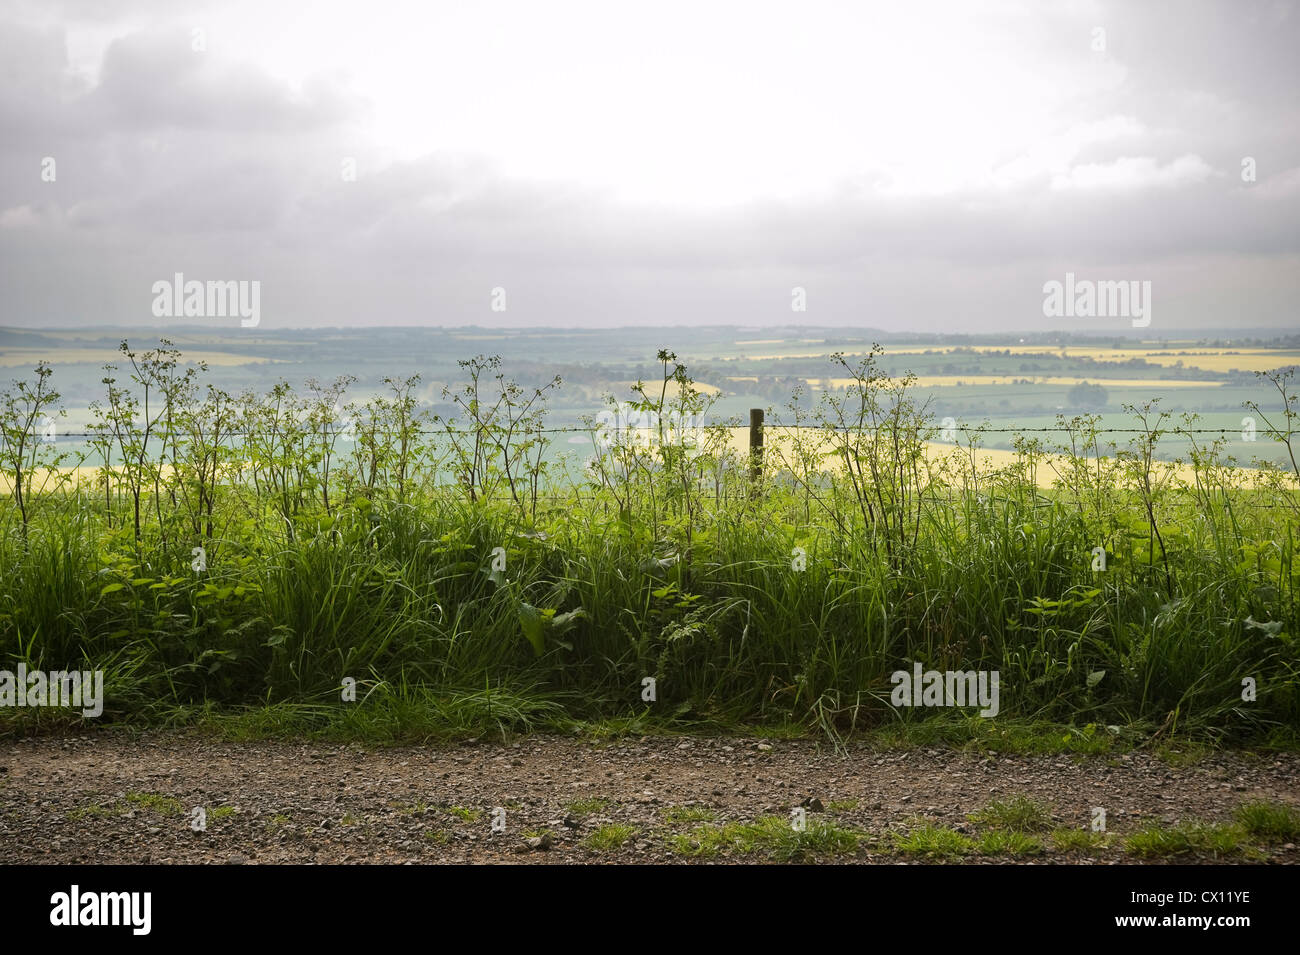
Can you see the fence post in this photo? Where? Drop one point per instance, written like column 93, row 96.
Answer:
column 756, row 445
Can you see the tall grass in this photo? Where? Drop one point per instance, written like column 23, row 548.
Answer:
column 429, row 570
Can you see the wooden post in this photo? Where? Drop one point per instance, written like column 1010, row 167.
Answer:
column 756, row 445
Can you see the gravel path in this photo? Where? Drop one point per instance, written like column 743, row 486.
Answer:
column 116, row 799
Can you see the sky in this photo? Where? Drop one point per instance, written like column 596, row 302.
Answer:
column 922, row 166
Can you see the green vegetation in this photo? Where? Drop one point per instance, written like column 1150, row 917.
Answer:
column 276, row 562
column 464, row 814
column 1079, row 840
column 1270, row 821
column 1010, row 843
column 933, row 842
column 1188, row 837
column 586, row 807
column 610, row 836
column 1018, row 814
column 678, row 815
column 772, row 836
column 99, row 811
column 156, row 802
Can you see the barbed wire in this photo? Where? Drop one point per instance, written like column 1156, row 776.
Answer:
column 775, row 426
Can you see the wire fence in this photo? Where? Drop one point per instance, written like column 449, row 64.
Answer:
column 775, row 426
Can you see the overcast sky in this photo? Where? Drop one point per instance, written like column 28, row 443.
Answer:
column 910, row 165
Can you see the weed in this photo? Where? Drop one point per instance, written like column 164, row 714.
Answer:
column 610, row 836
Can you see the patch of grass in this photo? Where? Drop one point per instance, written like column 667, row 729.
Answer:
column 1269, row 821
column 686, row 814
column 463, row 813
column 1009, row 842
column 156, row 802
column 1017, row 814
column 1155, row 841
column 98, row 811
column 220, row 812
column 539, row 834
column 610, row 836
column 1079, row 840
column 1021, row 737
column 935, row 842
column 842, row 805
column 438, row 836
column 348, row 820
column 585, row 807
column 770, row 835
column 279, row 819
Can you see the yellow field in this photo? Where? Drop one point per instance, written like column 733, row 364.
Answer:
column 175, row 338
column 941, row 381
column 652, row 388
column 1209, row 359
column 14, row 357
column 777, row 450
column 45, row 481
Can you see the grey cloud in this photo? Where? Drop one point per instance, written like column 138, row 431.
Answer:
column 180, row 161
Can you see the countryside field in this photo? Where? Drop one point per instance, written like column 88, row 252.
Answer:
column 476, row 563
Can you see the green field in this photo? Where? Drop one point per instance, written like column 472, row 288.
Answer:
column 240, row 553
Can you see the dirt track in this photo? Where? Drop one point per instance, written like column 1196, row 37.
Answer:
column 111, row 799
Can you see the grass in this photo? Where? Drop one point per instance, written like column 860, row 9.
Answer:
column 1008, row 842
column 153, row 802
column 587, row 807
column 99, row 811
column 1202, row 838
column 1079, row 840
column 679, row 815
column 842, row 805
column 1269, row 821
column 1017, row 814
column 771, row 836
column 464, row 814
column 666, row 565
column 933, row 842
column 156, row 802
column 610, row 836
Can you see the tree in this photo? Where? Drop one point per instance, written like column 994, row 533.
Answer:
column 1086, row 397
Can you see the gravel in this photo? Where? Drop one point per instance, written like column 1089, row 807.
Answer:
column 107, row 798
